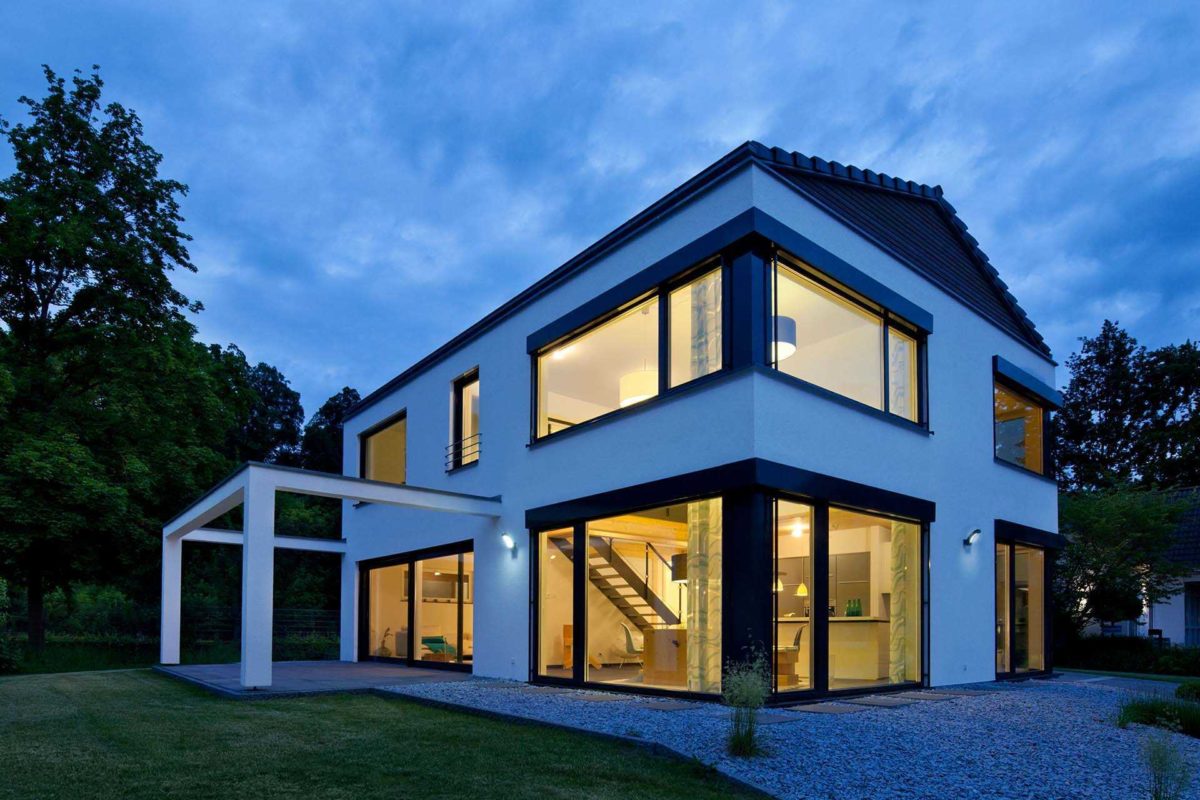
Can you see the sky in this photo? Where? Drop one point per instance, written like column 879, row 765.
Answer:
column 367, row 180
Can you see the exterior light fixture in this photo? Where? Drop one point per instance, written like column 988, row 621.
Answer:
column 971, row 537
column 508, row 540
column 637, row 386
column 785, row 338
column 802, row 589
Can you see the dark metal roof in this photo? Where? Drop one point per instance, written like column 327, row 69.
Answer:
column 1186, row 547
column 915, row 224
column 910, row 221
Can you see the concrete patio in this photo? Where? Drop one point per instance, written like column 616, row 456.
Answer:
column 299, row 678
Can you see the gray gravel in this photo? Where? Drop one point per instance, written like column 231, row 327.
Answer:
column 1037, row 739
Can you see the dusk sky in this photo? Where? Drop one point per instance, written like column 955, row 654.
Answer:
column 367, row 180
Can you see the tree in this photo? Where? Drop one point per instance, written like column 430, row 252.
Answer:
column 1116, row 558
column 321, row 448
column 107, row 401
column 268, row 413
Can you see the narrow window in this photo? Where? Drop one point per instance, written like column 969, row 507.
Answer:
column 1019, row 429
column 902, row 374
column 556, row 601
column 385, row 452
column 792, row 590
column 465, row 447
column 612, row 366
column 696, row 328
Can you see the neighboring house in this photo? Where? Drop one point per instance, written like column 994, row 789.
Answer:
column 789, row 407
column 1178, row 618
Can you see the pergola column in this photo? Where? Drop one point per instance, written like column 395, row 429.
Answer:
column 172, row 590
column 258, row 579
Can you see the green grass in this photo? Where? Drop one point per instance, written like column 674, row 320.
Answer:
column 136, row 734
column 1145, row 676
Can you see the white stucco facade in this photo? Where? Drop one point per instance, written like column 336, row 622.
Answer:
column 747, row 414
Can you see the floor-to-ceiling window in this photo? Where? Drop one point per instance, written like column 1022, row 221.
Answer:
column 875, row 606
column 793, row 595
column 1021, row 578
column 556, row 601
column 420, row 607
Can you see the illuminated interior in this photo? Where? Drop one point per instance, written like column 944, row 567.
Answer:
column 875, row 604
column 1019, row 432
column 385, row 453
column 1020, row 608
column 422, row 610
column 695, row 325
column 792, row 591
column 467, row 410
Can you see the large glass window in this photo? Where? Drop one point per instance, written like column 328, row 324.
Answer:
column 387, row 614
column 465, row 447
column 612, row 366
column 654, row 598
column 385, row 452
column 1003, row 594
column 874, row 569
column 695, row 322
column 435, row 594
column 834, row 340
column 1020, row 608
column 1019, row 430
column 556, row 603
column 792, row 591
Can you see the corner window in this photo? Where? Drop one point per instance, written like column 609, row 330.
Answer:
column 464, row 449
column 385, row 452
column 840, row 342
column 664, row 339
column 1019, row 425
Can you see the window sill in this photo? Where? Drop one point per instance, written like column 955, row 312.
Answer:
column 848, row 402
column 1024, row 470
column 713, row 378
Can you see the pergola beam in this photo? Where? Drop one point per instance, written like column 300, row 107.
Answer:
column 215, row 536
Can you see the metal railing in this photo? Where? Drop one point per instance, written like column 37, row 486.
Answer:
column 464, row 451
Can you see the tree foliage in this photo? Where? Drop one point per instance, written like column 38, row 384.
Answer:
column 321, row 447
column 1130, row 415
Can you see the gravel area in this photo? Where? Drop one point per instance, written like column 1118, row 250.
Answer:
column 1036, row 739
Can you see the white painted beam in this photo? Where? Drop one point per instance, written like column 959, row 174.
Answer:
column 324, row 484
column 215, row 536
column 225, row 496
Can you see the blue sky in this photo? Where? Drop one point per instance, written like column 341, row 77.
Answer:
column 368, row 180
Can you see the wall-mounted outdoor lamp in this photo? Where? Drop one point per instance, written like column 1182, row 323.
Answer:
column 971, row 537
column 508, row 540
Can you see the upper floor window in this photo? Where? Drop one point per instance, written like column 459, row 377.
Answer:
column 385, row 452
column 464, row 449
column 1019, row 428
column 616, row 363
column 836, row 340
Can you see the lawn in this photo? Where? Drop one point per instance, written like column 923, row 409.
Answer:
column 136, row 734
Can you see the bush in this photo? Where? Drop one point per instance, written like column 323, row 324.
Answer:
column 1161, row 712
column 1188, row 690
column 747, row 685
column 1129, row 654
column 8, row 656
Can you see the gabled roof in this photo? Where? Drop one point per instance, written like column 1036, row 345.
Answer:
column 915, row 224
column 912, row 222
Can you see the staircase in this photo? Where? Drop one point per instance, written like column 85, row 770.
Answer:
column 624, row 588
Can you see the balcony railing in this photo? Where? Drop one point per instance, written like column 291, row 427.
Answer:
column 463, row 452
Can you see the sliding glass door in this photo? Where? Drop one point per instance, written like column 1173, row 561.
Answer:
column 1021, row 580
column 419, row 608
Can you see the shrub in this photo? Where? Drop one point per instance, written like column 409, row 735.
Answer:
column 8, row 655
column 1161, row 712
column 1128, row 654
column 747, row 684
column 1169, row 771
column 1188, row 690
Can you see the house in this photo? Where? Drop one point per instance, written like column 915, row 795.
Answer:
column 789, row 408
column 1177, row 620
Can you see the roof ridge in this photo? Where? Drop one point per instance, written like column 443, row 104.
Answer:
column 881, row 180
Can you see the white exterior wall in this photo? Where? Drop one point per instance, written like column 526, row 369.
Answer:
column 751, row 415
column 1169, row 616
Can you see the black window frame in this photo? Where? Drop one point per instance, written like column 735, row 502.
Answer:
column 662, row 294
column 888, row 320
column 411, row 557
column 459, row 448
column 379, row 427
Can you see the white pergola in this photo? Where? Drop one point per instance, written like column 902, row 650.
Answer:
column 254, row 486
